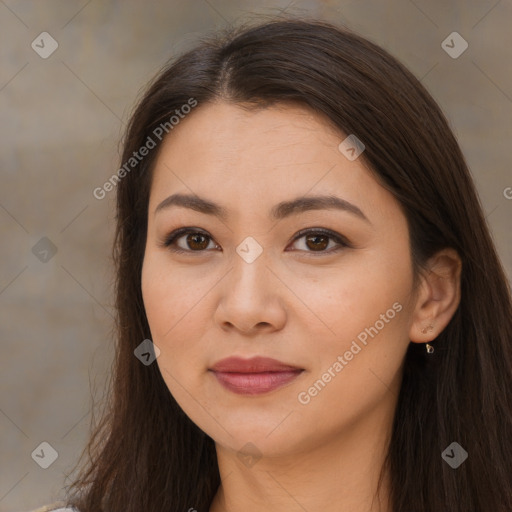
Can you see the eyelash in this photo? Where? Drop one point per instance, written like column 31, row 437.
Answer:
column 170, row 240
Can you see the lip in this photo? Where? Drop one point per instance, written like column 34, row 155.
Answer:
column 254, row 376
column 255, row 364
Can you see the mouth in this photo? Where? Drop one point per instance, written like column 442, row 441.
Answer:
column 254, row 376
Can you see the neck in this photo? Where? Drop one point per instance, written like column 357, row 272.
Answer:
column 340, row 475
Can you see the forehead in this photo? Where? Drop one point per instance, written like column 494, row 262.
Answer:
column 227, row 133
column 248, row 157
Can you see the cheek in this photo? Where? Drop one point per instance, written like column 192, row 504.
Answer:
column 364, row 304
column 176, row 325
column 353, row 370
column 172, row 301
column 169, row 296
column 353, row 295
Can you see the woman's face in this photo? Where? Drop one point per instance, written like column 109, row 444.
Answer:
column 335, row 306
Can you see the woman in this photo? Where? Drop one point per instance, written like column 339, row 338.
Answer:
column 311, row 311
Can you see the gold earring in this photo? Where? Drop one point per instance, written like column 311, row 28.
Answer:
column 428, row 346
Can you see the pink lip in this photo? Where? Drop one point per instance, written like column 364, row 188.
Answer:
column 253, row 376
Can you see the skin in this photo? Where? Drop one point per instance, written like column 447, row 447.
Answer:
column 296, row 304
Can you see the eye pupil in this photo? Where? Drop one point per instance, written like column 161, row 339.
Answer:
column 321, row 246
column 192, row 240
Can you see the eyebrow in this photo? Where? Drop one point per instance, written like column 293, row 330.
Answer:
column 279, row 211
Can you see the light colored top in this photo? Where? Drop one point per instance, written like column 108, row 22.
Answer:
column 51, row 508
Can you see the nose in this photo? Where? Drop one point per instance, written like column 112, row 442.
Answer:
column 250, row 299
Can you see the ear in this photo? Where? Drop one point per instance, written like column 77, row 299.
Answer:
column 438, row 296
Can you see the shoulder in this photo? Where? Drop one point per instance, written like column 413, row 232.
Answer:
column 55, row 507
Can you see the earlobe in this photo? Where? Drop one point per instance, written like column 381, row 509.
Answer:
column 438, row 297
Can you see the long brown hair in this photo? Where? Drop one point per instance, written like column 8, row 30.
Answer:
column 146, row 454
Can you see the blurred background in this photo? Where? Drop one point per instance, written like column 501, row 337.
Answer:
column 70, row 73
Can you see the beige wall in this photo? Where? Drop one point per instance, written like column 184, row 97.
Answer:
column 61, row 119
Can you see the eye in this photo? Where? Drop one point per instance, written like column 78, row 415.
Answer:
column 316, row 240
column 195, row 240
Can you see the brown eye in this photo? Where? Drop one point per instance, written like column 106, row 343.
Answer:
column 317, row 242
column 197, row 241
column 187, row 240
